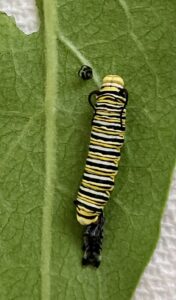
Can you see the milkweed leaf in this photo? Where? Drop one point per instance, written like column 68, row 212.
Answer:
column 45, row 122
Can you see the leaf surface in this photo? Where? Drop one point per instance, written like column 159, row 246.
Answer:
column 45, row 125
column 22, row 172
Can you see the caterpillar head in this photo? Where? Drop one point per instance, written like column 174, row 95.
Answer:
column 114, row 83
column 113, row 79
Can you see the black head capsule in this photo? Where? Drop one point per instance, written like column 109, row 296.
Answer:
column 85, row 72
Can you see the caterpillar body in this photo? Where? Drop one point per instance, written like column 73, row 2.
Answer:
column 106, row 140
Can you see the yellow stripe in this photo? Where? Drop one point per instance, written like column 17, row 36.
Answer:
column 85, row 212
column 107, row 112
column 117, row 120
column 98, row 143
column 98, row 205
column 109, row 89
column 107, row 157
column 83, row 221
column 95, row 170
column 117, row 132
column 123, row 122
column 116, row 101
column 107, row 101
column 104, row 98
column 107, row 145
column 94, row 187
column 116, row 160
column 103, row 130
column 96, row 184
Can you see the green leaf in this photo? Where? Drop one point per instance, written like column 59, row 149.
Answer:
column 45, row 122
column 22, row 122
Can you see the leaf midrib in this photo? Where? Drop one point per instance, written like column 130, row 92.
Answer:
column 51, row 67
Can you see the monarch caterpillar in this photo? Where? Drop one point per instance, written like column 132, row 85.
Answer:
column 106, row 140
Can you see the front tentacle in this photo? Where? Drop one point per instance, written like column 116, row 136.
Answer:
column 96, row 92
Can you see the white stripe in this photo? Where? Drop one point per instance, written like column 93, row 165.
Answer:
column 88, row 204
column 106, row 123
column 107, row 136
column 101, row 162
column 94, row 192
column 112, row 110
column 108, row 110
column 103, row 148
column 108, row 116
column 108, row 104
column 116, row 97
column 109, row 143
column 97, row 177
column 105, row 185
column 121, row 98
column 107, row 93
column 103, row 155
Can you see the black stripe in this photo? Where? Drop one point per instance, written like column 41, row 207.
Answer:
column 116, row 154
column 108, row 120
column 108, row 126
column 108, row 113
column 104, row 130
column 100, row 197
column 108, row 167
column 108, row 105
column 86, row 217
column 96, row 180
column 108, row 159
column 89, row 206
column 108, row 117
column 115, row 139
column 113, row 93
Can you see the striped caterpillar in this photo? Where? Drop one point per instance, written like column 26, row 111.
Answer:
column 107, row 138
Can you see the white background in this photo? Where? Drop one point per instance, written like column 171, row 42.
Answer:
column 158, row 280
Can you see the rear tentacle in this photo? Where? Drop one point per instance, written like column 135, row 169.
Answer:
column 92, row 245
